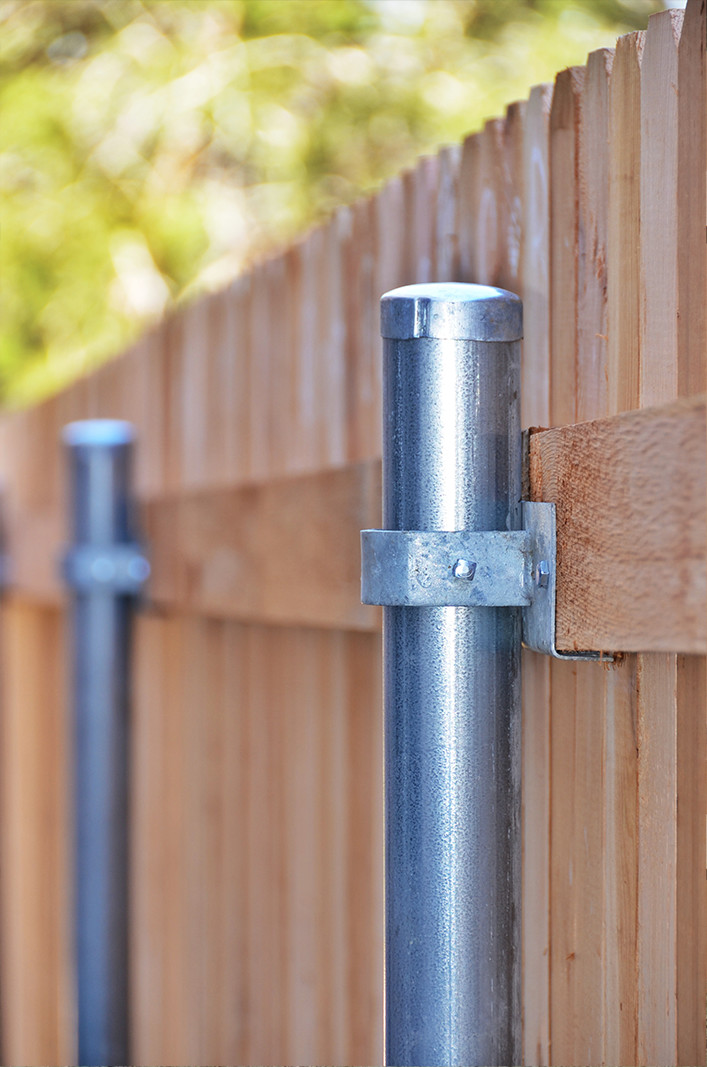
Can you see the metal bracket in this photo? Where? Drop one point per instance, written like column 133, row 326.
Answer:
column 414, row 568
column 118, row 569
column 540, row 522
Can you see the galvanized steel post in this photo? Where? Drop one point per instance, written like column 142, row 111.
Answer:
column 105, row 568
column 452, row 461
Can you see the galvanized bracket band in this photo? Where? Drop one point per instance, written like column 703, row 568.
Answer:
column 121, row 570
column 416, row 568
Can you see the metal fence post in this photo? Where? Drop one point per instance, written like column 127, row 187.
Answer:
column 452, row 461
column 105, row 569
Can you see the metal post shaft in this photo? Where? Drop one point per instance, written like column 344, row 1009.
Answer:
column 100, row 459
column 451, row 461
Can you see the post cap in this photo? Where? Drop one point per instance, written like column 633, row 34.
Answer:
column 100, row 433
column 453, row 311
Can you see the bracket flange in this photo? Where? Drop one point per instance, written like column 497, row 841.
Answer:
column 540, row 522
column 119, row 569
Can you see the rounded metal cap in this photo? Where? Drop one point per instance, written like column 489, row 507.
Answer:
column 452, row 310
column 106, row 433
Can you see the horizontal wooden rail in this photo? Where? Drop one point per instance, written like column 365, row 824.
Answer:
column 631, row 498
column 283, row 552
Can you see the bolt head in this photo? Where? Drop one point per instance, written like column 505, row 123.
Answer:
column 464, row 568
column 542, row 574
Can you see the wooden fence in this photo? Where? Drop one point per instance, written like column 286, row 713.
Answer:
column 256, row 790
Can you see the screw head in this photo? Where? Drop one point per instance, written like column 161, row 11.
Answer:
column 542, row 574
column 464, row 568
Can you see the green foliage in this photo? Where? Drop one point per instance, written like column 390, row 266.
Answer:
column 150, row 149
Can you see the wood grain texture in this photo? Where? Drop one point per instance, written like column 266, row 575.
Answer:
column 619, row 1018
column 490, row 236
column 512, row 244
column 691, row 893
column 657, row 856
column 564, row 243
column 535, row 669
column 691, row 191
column 647, row 582
column 620, row 745
column 657, row 789
column 535, row 365
column 284, row 551
column 691, row 897
column 601, row 959
column 623, row 238
column 257, row 904
column 659, row 215
column 604, row 699
column 593, row 225
column 577, row 692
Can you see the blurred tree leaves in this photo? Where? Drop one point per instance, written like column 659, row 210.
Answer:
column 150, row 149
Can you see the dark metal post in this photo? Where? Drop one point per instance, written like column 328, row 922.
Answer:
column 105, row 569
column 452, row 461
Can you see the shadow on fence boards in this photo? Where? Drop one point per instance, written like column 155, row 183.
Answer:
column 256, row 823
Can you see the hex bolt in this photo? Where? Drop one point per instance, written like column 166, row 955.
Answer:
column 464, row 568
column 542, row 574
